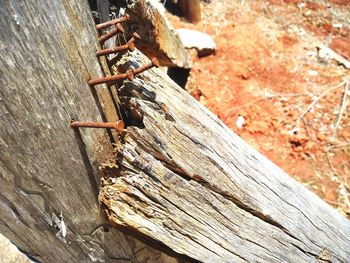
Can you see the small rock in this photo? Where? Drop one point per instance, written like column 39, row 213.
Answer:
column 293, row 131
column 298, row 140
column 240, row 121
column 313, row 72
column 198, row 40
column 338, row 26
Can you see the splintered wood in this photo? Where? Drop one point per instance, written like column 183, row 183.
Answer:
column 49, row 172
column 190, row 183
column 159, row 39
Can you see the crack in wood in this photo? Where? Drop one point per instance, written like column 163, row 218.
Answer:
column 11, row 207
column 188, row 177
column 135, row 90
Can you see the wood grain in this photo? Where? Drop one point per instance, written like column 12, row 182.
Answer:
column 48, row 172
column 193, row 185
column 159, row 39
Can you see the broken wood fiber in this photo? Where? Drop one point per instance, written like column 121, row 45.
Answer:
column 189, row 182
column 159, row 39
column 49, row 173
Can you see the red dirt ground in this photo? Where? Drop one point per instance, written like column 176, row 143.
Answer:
column 267, row 69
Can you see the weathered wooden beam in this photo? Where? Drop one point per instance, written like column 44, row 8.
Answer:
column 49, row 174
column 192, row 184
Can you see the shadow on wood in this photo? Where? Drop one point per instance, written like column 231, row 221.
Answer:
column 189, row 182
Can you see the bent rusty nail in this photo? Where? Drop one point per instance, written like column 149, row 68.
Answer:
column 129, row 46
column 118, row 29
column 119, row 125
column 113, row 22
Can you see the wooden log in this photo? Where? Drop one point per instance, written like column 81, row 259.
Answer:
column 49, row 174
column 190, row 183
column 191, row 9
column 159, row 39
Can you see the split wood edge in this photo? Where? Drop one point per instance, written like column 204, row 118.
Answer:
column 190, row 183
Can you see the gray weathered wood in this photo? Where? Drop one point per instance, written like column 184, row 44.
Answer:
column 190, row 183
column 48, row 172
column 103, row 10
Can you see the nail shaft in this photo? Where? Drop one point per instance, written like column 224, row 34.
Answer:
column 111, row 33
column 119, row 125
column 130, row 74
column 154, row 63
column 107, row 79
column 129, row 46
column 136, row 36
column 112, row 22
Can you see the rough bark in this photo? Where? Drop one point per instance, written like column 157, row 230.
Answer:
column 159, row 39
column 190, row 183
column 49, row 172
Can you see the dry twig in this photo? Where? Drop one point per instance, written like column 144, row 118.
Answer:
column 312, row 105
column 343, row 106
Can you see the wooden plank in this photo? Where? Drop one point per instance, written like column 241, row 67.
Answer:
column 103, row 10
column 49, row 174
column 190, row 183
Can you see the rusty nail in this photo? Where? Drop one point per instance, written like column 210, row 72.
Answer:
column 113, row 22
column 107, row 79
column 119, row 125
column 130, row 74
column 154, row 63
column 129, row 46
column 136, row 35
column 118, row 29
